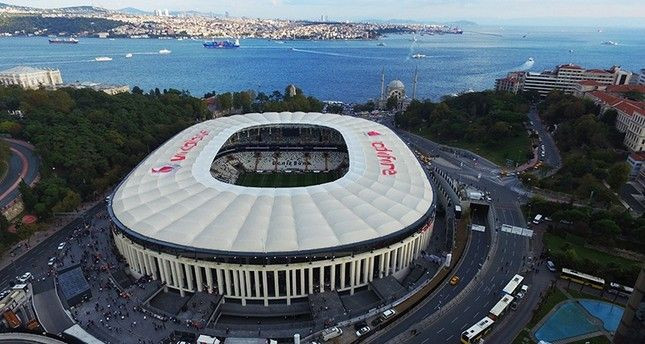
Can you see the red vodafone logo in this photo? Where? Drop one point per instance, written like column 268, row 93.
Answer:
column 188, row 145
column 164, row 169
column 385, row 157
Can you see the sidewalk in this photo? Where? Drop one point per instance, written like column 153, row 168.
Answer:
column 21, row 248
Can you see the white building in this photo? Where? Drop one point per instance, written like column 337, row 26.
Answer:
column 29, row 77
column 563, row 78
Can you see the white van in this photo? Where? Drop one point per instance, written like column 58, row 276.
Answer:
column 388, row 314
column 537, row 219
column 331, row 333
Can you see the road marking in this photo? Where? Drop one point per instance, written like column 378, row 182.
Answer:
column 453, row 320
column 477, row 298
column 441, row 330
column 448, row 339
column 425, row 340
column 465, row 309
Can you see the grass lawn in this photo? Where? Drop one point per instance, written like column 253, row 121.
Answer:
column 557, row 243
column 523, row 338
column 282, row 180
column 576, row 293
column 514, row 148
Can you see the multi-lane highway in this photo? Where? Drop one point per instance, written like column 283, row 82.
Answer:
column 23, row 165
column 470, row 304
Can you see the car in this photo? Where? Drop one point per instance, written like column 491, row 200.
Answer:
column 362, row 331
column 51, row 261
column 550, row 265
column 26, row 277
column 454, row 280
column 388, row 314
column 61, row 246
column 520, row 295
column 331, row 333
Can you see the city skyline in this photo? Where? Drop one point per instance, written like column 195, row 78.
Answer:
column 523, row 12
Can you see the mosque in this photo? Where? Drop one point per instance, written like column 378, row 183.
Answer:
column 396, row 89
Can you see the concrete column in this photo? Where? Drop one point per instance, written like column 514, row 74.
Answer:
column 342, row 275
column 180, row 276
column 311, row 279
column 381, row 265
column 294, row 282
column 247, row 280
column 173, row 273
column 189, row 276
column 288, row 285
column 276, row 288
column 394, row 260
column 220, row 281
column 146, row 264
column 370, row 269
column 265, row 288
column 333, row 276
column 322, row 278
column 153, row 267
column 164, row 270
column 242, row 284
column 366, row 269
column 352, row 276
column 236, row 282
column 302, row 280
column 256, row 279
column 387, row 264
column 227, row 282
column 209, row 279
column 198, row 278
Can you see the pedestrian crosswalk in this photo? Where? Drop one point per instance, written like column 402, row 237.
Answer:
column 517, row 230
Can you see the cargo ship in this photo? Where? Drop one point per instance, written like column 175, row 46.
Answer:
column 63, row 41
column 222, row 45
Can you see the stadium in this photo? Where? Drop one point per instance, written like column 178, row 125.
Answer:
column 268, row 208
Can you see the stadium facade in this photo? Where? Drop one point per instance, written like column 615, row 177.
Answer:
column 181, row 217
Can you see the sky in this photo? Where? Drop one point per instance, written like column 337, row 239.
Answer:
column 527, row 12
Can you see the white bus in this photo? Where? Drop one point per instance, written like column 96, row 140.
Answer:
column 500, row 307
column 618, row 289
column 475, row 332
column 584, row 279
column 512, row 285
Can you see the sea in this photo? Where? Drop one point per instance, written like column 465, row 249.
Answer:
column 341, row 70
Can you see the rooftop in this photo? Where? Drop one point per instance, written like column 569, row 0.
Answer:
column 187, row 207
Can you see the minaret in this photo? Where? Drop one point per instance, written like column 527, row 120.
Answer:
column 414, row 84
column 383, row 85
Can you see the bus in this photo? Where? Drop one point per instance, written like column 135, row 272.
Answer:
column 500, row 307
column 512, row 285
column 620, row 290
column 477, row 331
column 584, row 279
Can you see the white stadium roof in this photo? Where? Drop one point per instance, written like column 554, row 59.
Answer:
column 180, row 203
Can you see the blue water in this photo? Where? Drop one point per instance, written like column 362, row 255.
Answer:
column 610, row 315
column 331, row 70
column 570, row 320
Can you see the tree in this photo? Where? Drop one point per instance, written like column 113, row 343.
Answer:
column 392, row 103
column 618, row 175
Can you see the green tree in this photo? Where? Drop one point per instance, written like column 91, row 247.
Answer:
column 618, row 175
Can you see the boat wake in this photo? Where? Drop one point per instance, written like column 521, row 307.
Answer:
column 526, row 65
column 317, row 52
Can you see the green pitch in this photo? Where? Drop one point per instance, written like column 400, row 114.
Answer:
column 285, row 180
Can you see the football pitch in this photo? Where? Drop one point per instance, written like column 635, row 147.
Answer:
column 285, row 180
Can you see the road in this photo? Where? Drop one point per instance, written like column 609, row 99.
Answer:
column 552, row 154
column 23, row 165
column 509, row 258
column 35, row 261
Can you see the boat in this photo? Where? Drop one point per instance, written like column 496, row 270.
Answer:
column 63, row 41
column 164, row 52
column 128, row 55
column 103, row 59
column 222, row 44
column 279, row 42
column 530, row 60
column 570, row 50
column 381, row 44
column 418, row 56
column 609, row 43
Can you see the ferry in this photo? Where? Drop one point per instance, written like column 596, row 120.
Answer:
column 128, row 55
column 164, row 52
column 63, row 41
column 103, row 59
column 609, row 43
column 530, row 60
column 418, row 56
column 222, row 45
